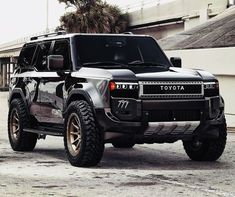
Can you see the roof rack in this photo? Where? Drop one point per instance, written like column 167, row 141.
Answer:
column 49, row 34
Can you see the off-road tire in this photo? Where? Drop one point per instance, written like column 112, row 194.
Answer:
column 207, row 150
column 17, row 121
column 91, row 140
column 123, row 143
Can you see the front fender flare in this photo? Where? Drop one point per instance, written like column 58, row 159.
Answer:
column 77, row 95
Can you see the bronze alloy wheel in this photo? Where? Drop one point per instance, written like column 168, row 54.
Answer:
column 15, row 125
column 74, row 134
column 18, row 119
column 83, row 141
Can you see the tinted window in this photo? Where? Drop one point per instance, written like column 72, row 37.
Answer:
column 41, row 56
column 122, row 49
column 62, row 48
column 26, row 55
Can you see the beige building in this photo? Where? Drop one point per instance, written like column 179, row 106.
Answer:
column 162, row 19
column 210, row 46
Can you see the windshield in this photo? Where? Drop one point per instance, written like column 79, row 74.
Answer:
column 108, row 51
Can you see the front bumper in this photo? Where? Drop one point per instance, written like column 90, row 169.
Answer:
column 209, row 109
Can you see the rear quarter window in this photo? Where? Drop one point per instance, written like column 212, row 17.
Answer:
column 26, row 55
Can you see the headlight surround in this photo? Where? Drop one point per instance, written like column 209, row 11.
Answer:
column 211, row 89
column 124, row 89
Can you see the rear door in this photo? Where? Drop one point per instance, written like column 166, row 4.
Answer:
column 30, row 78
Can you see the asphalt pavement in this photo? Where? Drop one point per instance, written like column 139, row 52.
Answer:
column 146, row 170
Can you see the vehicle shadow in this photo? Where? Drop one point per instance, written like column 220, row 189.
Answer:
column 147, row 158
column 140, row 157
column 51, row 153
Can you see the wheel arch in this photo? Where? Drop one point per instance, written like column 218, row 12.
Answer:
column 17, row 93
column 78, row 95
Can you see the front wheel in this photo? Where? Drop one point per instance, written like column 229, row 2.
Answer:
column 207, row 150
column 84, row 144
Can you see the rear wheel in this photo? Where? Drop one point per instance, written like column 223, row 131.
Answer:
column 207, row 150
column 17, row 121
column 83, row 141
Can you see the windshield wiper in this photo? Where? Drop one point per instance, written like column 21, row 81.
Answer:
column 147, row 64
column 104, row 64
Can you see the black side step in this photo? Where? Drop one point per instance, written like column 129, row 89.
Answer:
column 45, row 131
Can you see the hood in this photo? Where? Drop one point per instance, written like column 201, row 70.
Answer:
column 145, row 74
column 173, row 74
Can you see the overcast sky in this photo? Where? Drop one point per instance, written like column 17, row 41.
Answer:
column 20, row 18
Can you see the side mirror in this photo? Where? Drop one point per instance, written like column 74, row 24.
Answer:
column 55, row 62
column 176, row 62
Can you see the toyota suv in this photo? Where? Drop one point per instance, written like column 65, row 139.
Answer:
column 94, row 89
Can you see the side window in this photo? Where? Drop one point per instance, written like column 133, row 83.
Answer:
column 41, row 56
column 62, row 48
column 26, row 55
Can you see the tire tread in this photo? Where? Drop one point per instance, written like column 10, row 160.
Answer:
column 27, row 141
column 211, row 149
column 94, row 145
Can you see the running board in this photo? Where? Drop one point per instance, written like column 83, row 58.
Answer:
column 44, row 132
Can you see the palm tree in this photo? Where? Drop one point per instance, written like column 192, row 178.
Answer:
column 93, row 16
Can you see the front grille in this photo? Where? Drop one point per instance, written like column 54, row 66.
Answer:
column 173, row 115
column 174, row 89
column 177, row 89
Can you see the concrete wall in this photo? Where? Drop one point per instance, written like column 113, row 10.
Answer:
column 165, row 19
column 220, row 62
column 178, row 9
column 161, row 31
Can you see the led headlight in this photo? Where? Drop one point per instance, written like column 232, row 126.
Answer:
column 124, row 89
column 123, row 86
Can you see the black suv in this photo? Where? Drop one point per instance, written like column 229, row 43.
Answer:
column 94, row 89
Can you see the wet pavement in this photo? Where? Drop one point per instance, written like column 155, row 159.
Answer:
column 145, row 170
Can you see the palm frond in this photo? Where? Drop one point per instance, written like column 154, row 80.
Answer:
column 93, row 16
